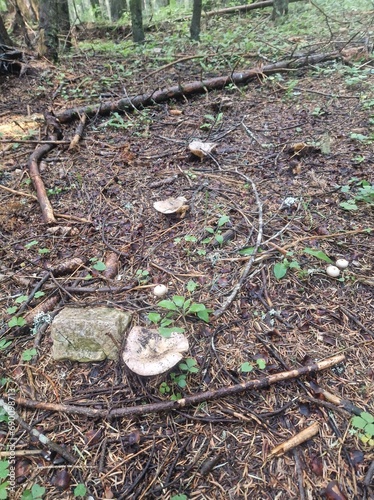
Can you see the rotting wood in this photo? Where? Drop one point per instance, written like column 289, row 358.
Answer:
column 79, row 132
column 190, row 88
column 299, row 438
column 200, row 397
column 243, row 8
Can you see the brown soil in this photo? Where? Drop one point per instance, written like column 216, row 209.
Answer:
column 218, row 449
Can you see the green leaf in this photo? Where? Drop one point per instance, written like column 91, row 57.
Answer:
column 294, row 265
column 4, row 344
column 222, row 220
column 204, row 315
column 187, row 304
column 367, row 417
column 209, row 230
column 27, row 495
column 28, row 354
column 205, row 241
column 191, row 286
column 246, row 367
column 369, row 430
column 181, row 496
column 166, row 322
column 319, row 254
column 21, row 299
column 37, row 491
column 39, row 294
column 178, row 300
column 166, row 332
column 43, row 251
column 4, row 490
column 31, row 244
column 358, row 422
column 219, row 238
column 247, row 251
column 196, row 308
column 4, row 468
column 16, row 321
column 12, row 310
column 168, row 304
column 261, row 363
column 154, row 317
column 348, row 205
column 80, row 490
column 280, row 270
column 99, row 266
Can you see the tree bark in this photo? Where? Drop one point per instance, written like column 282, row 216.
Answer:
column 280, row 8
column 48, row 29
column 196, row 20
column 137, row 21
column 4, row 37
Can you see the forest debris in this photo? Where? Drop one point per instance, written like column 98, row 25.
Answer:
column 43, row 308
column 68, row 266
column 201, row 149
column 172, row 206
column 79, row 132
column 299, row 438
column 148, row 353
column 111, row 263
column 333, row 491
column 194, row 399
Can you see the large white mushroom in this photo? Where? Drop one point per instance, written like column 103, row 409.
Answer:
column 175, row 206
column 201, row 149
column 148, row 353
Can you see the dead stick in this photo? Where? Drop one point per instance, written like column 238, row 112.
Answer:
column 9, row 408
column 79, row 132
column 45, row 205
column 188, row 400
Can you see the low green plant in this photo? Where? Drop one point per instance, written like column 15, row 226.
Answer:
column 4, row 344
column 280, row 268
column 363, row 424
column 361, row 191
column 28, row 354
column 180, row 496
column 35, row 493
column 97, row 264
column 248, row 367
column 142, row 275
column 179, row 380
column 4, row 473
column 80, row 490
column 217, row 232
column 185, row 307
column 211, row 121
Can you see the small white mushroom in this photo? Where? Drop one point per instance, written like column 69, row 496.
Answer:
column 342, row 263
column 160, row 290
column 174, row 206
column 332, row 271
column 148, row 353
column 201, row 149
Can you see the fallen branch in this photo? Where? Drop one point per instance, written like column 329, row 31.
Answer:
column 188, row 400
column 296, row 440
column 197, row 87
column 43, row 439
column 244, row 8
column 79, row 132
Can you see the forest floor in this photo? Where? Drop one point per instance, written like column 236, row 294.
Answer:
column 291, row 179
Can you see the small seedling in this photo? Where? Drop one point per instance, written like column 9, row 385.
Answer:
column 80, row 490
column 28, row 354
column 16, row 321
column 217, row 232
column 142, row 275
column 364, row 425
column 185, row 307
column 97, row 264
column 4, row 344
column 248, row 367
column 36, row 493
column 191, row 286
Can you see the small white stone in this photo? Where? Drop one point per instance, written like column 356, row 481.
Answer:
column 332, row 271
column 160, row 290
column 342, row 263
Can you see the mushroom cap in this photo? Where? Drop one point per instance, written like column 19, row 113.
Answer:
column 170, row 205
column 148, row 353
column 201, row 149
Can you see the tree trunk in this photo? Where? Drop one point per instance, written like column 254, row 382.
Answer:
column 48, row 29
column 137, row 21
column 117, row 8
column 64, row 23
column 4, row 37
column 196, row 20
column 280, row 8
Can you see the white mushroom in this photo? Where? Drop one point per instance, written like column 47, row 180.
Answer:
column 160, row 290
column 332, row 271
column 148, row 353
column 172, row 206
column 201, row 149
column 342, row 263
